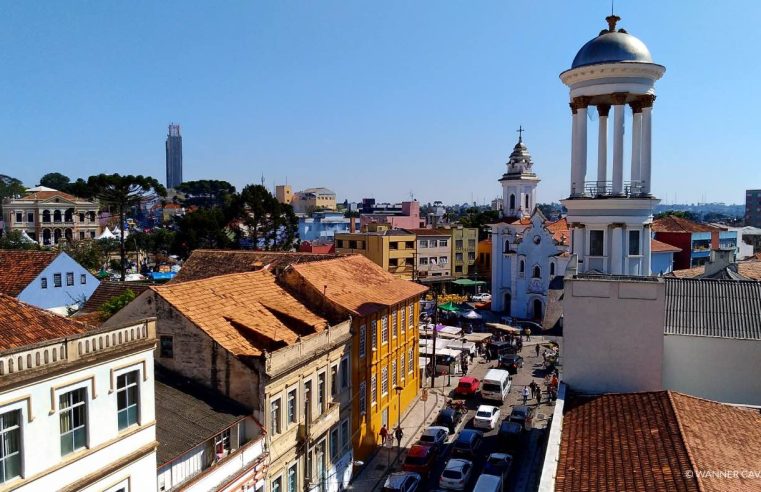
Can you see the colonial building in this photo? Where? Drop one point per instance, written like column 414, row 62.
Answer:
column 46, row 279
column 50, row 216
column 246, row 337
column 384, row 313
column 76, row 405
column 519, row 183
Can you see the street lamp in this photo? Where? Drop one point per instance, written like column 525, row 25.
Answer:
column 398, row 433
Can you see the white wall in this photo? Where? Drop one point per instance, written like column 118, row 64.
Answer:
column 613, row 335
column 722, row 369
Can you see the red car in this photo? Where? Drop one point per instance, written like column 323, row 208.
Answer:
column 467, row 386
column 420, row 459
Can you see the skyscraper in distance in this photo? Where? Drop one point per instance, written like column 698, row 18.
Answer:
column 173, row 156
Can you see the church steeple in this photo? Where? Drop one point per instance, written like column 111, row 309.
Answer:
column 519, row 182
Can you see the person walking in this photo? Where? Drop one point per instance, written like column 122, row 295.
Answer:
column 525, row 394
column 538, row 396
column 528, row 334
column 536, row 348
column 383, row 434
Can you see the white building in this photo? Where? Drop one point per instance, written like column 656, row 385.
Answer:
column 519, row 183
column 76, row 405
column 610, row 218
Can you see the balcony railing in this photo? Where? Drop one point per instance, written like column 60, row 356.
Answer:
column 631, row 189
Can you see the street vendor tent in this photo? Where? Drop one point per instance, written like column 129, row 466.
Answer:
column 478, row 337
column 506, row 328
column 466, row 282
column 106, row 234
column 450, row 307
column 472, row 315
column 468, row 347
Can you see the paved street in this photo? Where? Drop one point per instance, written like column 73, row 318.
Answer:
column 525, row 473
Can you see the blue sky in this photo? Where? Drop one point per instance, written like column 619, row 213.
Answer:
column 378, row 99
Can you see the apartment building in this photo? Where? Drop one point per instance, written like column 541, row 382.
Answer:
column 393, row 250
column 464, row 251
column 434, row 255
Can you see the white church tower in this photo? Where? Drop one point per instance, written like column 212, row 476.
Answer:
column 610, row 218
column 519, row 182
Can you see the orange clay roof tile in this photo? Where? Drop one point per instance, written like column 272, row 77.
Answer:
column 23, row 324
column 19, row 268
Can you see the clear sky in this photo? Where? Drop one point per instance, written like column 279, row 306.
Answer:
column 378, row 99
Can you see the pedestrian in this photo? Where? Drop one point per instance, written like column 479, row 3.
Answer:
column 525, row 394
column 399, row 435
column 528, row 334
column 383, row 434
column 538, row 396
column 536, row 347
column 534, row 388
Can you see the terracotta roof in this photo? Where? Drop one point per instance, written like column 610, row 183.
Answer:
column 671, row 223
column 661, row 247
column 656, row 441
column 693, row 272
column 108, row 290
column 23, row 324
column 19, row 268
column 357, row 284
column 172, row 205
column 246, row 313
column 750, row 269
column 559, row 230
column 430, row 232
column 522, row 221
column 44, row 195
column 204, row 263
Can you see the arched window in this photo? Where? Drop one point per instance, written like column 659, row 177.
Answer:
column 552, row 268
column 507, row 245
column 522, row 267
column 537, row 272
column 527, row 200
column 512, row 202
column 46, row 215
column 57, row 216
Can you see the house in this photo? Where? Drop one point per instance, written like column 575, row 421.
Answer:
column 651, row 441
column 483, row 259
column 405, row 215
column 49, row 216
column 308, row 200
column 76, row 404
column 384, row 312
column 723, row 268
column 695, row 240
column 206, row 441
column 662, row 257
column 392, row 249
column 244, row 336
column 323, row 226
column 46, row 279
column 434, row 255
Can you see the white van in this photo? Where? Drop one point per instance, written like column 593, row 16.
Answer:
column 488, row 483
column 495, row 385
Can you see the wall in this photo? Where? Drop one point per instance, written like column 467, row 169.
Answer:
column 613, row 335
column 465, row 266
column 437, row 268
column 662, row 263
column 58, row 298
column 680, row 240
column 722, row 369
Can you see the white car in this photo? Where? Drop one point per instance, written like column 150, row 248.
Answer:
column 487, row 417
column 481, row 297
column 435, row 435
column 402, row 482
column 456, row 474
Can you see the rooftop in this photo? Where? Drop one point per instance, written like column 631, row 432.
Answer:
column 748, row 270
column 19, row 268
column 430, row 232
column 672, row 223
column 357, row 284
column 246, row 313
column 204, row 263
column 661, row 247
column 45, row 193
column 24, row 325
column 106, row 291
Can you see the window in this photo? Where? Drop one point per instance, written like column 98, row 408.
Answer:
column 393, row 262
column 634, row 243
column 409, row 244
column 458, row 269
column 394, row 382
column 344, row 369
column 19, row 217
column 411, row 313
column 443, row 260
column 522, row 267
column 373, row 389
column 44, row 283
column 292, row 415
column 81, row 234
column 333, row 381
column 411, row 361
column 536, row 272
column 69, row 279
column 471, row 256
column 433, row 261
column 334, row 444
column 384, row 381
column 81, row 216
column 526, row 201
column 308, row 400
column 394, row 325
column 423, row 243
column 401, row 366
column 127, row 399
column 384, row 329
column 458, row 256
column 73, row 420
column 277, row 485
column 507, row 245
column 222, row 444
column 552, row 268
column 423, row 260
column 320, row 393
column 458, row 244
column 374, row 340
column 10, row 445
column 409, row 261
column 362, row 340
column 293, row 481
column 56, row 280
column 30, row 216
column 471, row 243
column 402, row 318
column 512, row 202
column 166, row 346
column 596, row 239
column 362, row 397
column 83, row 279
column 275, row 416
column 443, row 243
column 345, row 433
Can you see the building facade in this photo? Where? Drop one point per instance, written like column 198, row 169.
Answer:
column 76, row 406
column 393, row 250
column 753, row 208
column 173, row 157
column 309, row 200
column 434, row 255
column 696, row 241
column 323, row 226
column 405, row 215
column 50, row 216
column 464, row 250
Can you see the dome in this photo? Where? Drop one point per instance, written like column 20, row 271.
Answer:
column 612, row 46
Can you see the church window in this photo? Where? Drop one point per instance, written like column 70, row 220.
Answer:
column 596, row 241
column 526, row 200
column 634, row 243
column 507, row 245
column 537, row 272
column 512, row 202
column 552, row 268
column 522, row 267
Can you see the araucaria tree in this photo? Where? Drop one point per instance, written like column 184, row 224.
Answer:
column 120, row 193
column 266, row 223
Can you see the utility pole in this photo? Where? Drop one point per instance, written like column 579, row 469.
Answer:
column 435, row 323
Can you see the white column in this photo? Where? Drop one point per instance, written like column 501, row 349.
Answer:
column 578, row 247
column 617, row 247
column 602, row 145
column 646, row 153
column 574, row 150
column 646, row 251
column 636, row 147
column 582, row 137
column 618, row 147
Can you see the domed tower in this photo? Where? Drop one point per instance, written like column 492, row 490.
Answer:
column 519, row 182
column 610, row 218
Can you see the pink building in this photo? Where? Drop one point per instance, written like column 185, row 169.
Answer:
column 405, row 217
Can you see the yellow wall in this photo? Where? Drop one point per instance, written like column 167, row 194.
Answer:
column 367, row 425
column 469, row 238
column 377, row 248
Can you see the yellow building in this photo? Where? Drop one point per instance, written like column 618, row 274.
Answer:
column 384, row 312
column 464, row 249
column 393, row 250
column 284, row 194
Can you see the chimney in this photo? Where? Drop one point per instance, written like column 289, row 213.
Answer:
column 720, row 259
column 352, row 225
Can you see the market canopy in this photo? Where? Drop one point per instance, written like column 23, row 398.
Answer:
column 449, row 306
column 466, row 282
column 472, row 315
column 507, row 328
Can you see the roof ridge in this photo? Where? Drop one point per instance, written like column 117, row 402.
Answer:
column 170, row 286
column 690, row 456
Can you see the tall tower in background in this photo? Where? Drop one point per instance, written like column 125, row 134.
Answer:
column 173, row 157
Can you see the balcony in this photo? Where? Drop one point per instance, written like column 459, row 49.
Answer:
column 604, row 189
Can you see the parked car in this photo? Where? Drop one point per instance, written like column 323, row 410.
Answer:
column 511, row 362
column 467, row 444
column 484, row 297
column 449, row 417
column 523, row 415
column 495, row 349
column 498, row 464
column 486, row 417
column 488, row 483
column 510, row 434
column 456, row 474
column 402, row 482
column 420, row 459
column 467, row 386
column 434, row 436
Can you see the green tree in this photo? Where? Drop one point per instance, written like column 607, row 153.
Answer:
column 120, row 194
column 9, row 188
column 206, row 192
column 13, row 239
column 57, row 181
column 479, row 219
column 677, row 213
column 268, row 223
column 203, row 228
column 90, row 254
column 116, row 303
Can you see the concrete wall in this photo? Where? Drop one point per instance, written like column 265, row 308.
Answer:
column 723, row 369
column 58, row 298
column 613, row 335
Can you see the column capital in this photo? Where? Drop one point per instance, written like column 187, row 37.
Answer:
column 573, row 107
column 603, row 109
column 636, row 106
column 581, row 101
column 646, row 100
column 619, row 98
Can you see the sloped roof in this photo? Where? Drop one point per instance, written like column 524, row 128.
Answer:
column 246, row 313
column 559, row 230
column 204, row 263
column 671, row 223
column 430, row 232
column 713, row 308
column 19, row 268
column 656, row 441
column 47, row 193
column 357, row 284
column 107, row 290
column 22, row 324
column 661, row 247
column 748, row 269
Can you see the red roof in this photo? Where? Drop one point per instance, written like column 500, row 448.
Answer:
column 661, row 247
column 559, row 230
column 23, row 324
column 44, row 195
column 671, row 223
column 20, row 268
